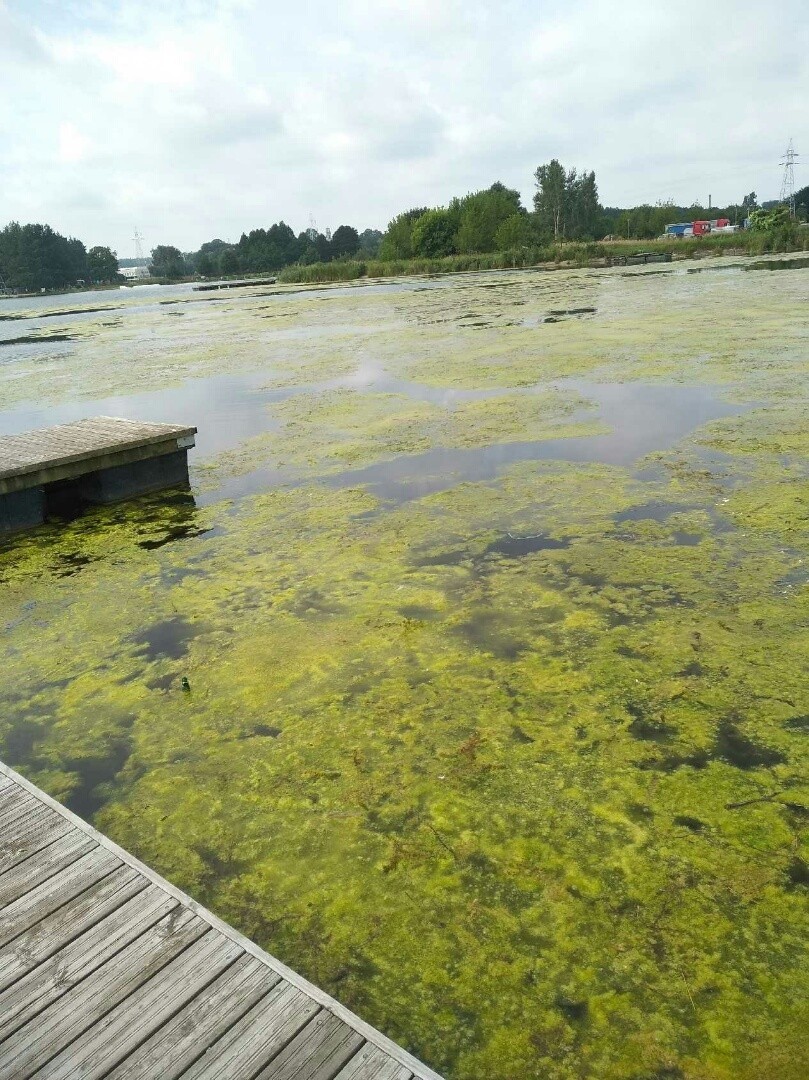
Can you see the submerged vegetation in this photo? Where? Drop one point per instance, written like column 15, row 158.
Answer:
column 516, row 768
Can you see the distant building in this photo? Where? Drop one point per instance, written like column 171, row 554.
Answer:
column 133, row 273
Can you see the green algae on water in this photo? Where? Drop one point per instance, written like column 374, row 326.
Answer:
column 517, row 770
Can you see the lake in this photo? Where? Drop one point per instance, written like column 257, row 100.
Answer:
column 492, row 594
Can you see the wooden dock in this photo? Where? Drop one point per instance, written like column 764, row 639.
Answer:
column 108, row 971
column 247, row 283
column 100, row 460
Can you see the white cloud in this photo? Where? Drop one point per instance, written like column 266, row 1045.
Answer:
column 73, row 146
column 196, row 119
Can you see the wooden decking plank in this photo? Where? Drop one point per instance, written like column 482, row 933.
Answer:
column 106, row 1043
column 16, row 810
column 30, row 872
column 12, row 795
column 371, row 1063
column 25, row 838
column 180, row 1042
column 47, row 1033
column 67, row 923
column 258, row 1037
column 79, row 441
column 33, row 906
column 47, row 982
column 316, row 1053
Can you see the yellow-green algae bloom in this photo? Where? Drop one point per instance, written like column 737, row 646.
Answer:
column 518, row 769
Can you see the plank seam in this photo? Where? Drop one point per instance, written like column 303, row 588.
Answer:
column 98, row 1019
column 183, row 1004
column 68, row 989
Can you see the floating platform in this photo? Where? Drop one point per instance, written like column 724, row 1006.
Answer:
column 107, row 970
column 101, row 460
column 214, row 286
column 640, row 258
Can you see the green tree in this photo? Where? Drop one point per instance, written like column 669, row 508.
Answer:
column 481, row 214
column 397, row 243
column 517, row 231
column 345, row 242
column 551, row 198
column 34, row 257
column 167, row 262
column 102, row 265
column 585, row 212
column 230, row 262
column 776, row 222
column 566, row 203
column 434, row 233
column 370, row 240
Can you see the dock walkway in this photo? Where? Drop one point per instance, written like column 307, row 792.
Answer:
column 108, row 971
column 99, row 460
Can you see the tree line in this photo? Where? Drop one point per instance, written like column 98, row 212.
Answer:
column 35, row 257
column 565, row 207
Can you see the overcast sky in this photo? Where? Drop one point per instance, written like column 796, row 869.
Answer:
column 191, row 120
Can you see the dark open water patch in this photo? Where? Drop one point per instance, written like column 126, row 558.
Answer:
column 168, row 639
column 18, row 316
column 37, row 339
column 651, row 511
column 778, row 264
column 95, row 776
column 731, row 745
column 517, row 546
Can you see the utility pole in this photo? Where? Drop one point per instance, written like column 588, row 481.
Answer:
column 788, row 182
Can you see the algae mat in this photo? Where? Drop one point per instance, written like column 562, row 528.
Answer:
column 510, row 754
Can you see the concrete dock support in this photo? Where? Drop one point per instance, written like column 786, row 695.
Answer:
column 56, row 471
column 22, row 510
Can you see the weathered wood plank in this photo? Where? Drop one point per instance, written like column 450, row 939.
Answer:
column 80, row 440
column 34, row 905
column 372, row 1064
column 67, row 923
column 59, row 848
column 49, row 1031
column 179, row 1043
column 18, row 851
column 107, row 1043
column 12, row 796
column 316, row 1053
column 16, row 810
column 258, row 1037
column 51, row 980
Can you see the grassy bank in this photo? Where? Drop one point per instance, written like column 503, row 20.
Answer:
column 568, row 255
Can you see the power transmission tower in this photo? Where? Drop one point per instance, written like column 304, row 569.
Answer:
column 788, row 183
column 138, row 245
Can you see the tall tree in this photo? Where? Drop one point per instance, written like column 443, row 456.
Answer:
column 102, row 264
column 34, row 257
column 167, row 262
column 345, row 242
column 551, row 198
